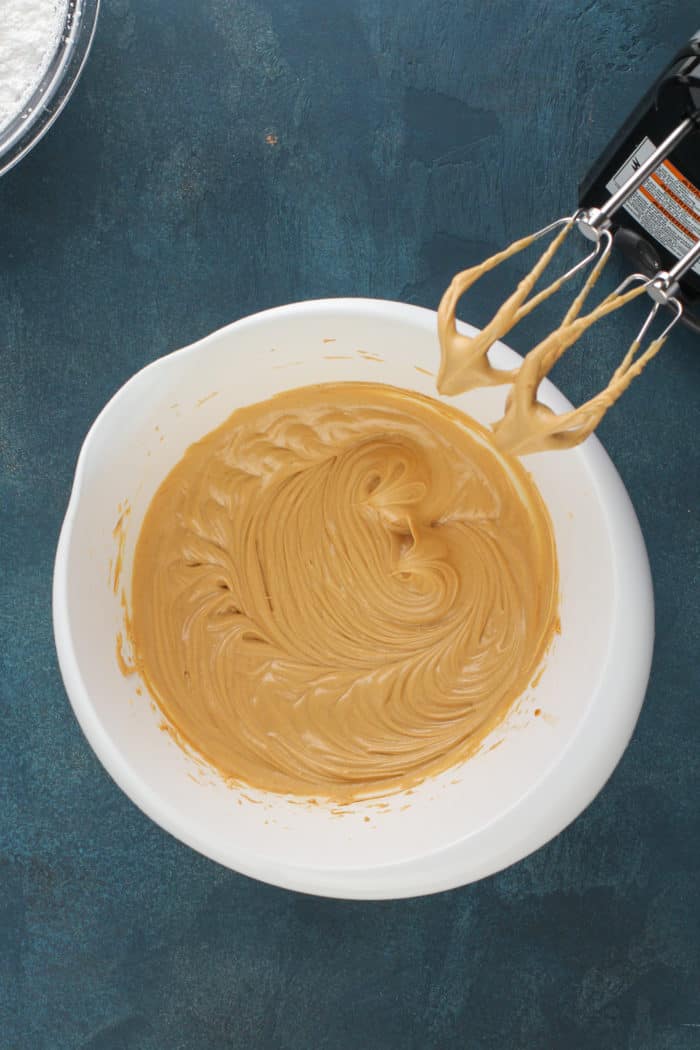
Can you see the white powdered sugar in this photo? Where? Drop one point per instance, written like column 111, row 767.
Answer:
column 29, row 34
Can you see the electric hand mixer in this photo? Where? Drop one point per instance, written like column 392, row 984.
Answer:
column 634, row 197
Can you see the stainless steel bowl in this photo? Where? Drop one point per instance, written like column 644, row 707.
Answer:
column 55, row 87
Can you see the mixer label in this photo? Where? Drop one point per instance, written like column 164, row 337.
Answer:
column 667, row 205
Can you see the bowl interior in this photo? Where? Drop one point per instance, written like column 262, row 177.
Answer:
column 490, row 808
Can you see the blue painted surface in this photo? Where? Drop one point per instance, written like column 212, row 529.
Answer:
column 218, row 158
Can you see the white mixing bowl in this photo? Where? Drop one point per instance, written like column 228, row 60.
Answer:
column 556, row 748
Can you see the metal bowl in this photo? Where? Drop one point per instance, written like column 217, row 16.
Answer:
column 55, row 87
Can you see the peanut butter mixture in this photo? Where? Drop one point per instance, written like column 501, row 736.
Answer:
column 341, row 590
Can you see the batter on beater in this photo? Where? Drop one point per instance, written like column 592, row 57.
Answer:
column 528, row 425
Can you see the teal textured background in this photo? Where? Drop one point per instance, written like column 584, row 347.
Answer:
column 219, row 157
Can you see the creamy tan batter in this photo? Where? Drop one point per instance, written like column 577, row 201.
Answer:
column 527, row 424
column 341, row 590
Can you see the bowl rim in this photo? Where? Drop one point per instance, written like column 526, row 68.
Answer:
column 56, row 86
column 579, row 778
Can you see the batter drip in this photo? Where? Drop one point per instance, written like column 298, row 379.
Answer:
column 342, row 590
column 528, row 425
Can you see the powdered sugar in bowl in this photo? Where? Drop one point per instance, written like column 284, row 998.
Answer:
column 43, row 47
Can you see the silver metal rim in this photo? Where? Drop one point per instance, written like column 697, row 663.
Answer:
column 56, row 86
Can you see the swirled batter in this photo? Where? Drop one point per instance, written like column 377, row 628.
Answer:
column 341, row 590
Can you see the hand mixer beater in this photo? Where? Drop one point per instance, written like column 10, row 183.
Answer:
column 660, row 230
